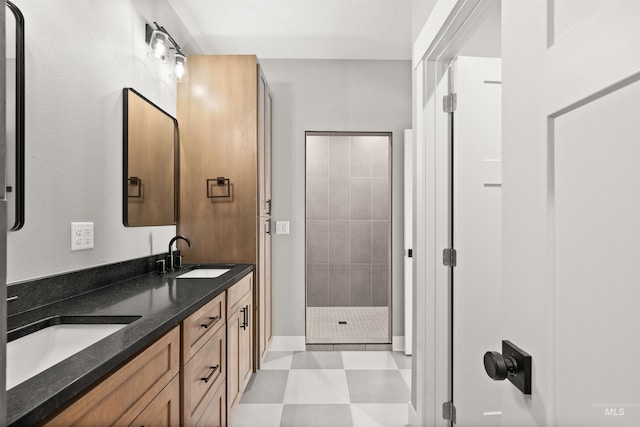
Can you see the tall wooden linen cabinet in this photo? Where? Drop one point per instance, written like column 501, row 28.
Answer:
column 224, row 115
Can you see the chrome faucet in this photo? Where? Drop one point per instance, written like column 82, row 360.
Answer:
column 178, row 237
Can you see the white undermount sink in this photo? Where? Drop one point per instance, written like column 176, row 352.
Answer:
column 203, row 273
column 29, row 355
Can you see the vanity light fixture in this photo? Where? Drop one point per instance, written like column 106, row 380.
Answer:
column 161, row 43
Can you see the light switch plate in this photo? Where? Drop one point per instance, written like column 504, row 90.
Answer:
column 81, row 236
column 282, row 227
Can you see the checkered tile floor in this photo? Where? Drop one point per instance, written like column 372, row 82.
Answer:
column 320, row 389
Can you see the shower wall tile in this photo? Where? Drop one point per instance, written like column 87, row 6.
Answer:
column 339, row 241
column 361, row 293
column 339, row 156
column 317, row 285
column 380, row 285
column 317, row 197
column 360, row 198
column 380, row 155
column 348, row 207
column 360, row 157
column 380, row 198
column 339, row 198
column 317, row 241
column 380, row 231
column 339, row 285
column 360, row 241
column 317, row 156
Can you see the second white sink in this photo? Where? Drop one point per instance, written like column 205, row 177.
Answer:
column 203, row 273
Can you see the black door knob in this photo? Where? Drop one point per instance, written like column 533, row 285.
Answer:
column 499, row 367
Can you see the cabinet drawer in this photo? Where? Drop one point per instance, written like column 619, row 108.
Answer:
column 164, row 410
column 215, row 415
column 120, row 398
column 201, row 326
column 202, row 375
column 237, row 292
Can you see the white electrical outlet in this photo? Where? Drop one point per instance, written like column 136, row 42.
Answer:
column 282, row 227
column 81, row 236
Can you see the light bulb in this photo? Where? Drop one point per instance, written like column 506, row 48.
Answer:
column 159, row 49
column 158, row 43
column 179, row 66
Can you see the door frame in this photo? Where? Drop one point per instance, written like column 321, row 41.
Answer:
column 448, row 27
column 388, row 134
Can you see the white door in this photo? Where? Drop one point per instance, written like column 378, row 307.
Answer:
column 477, row 193
column 571, row 209
column 408, row 241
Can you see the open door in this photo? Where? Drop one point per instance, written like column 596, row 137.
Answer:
column 476, row 237
column 571, row 210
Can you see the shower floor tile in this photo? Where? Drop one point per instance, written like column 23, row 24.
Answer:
column 368, row 325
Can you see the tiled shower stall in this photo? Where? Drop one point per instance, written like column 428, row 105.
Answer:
column 348, row 223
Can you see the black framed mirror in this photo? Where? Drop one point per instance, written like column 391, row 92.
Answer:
column 15, row 109
column 150, row 178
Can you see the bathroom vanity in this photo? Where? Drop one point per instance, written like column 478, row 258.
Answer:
column 189, row 341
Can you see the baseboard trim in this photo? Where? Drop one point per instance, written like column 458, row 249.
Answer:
column 413, row 416
column 288, row 343
column 398, row 343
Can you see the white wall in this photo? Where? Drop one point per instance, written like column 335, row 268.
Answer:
column 420, row 10
column 329, row 95
column 79, row 57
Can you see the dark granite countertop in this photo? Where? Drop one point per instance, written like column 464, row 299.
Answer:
column 161, row 301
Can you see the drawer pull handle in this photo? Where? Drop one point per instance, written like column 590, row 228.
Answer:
column 245, row 316
column 213, row 371
column 211, row 322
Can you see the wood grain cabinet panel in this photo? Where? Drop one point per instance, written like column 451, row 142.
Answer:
column 215, row 414
column 264, row 293
column 217, row 112
column 123, row 396
column 239, row 352
column 164, row 410
column 237, row 293
column 225, row 116
column 198, row 328
column 202, row 376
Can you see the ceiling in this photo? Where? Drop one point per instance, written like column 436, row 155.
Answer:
column 315, row 29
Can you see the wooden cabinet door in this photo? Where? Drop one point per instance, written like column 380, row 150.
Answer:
column 268, row 295
column 246, row 345
column 268, row 143
column 262, row 155
column 264, row 292
column 239, row 354
column 233, row 361
column 125, row 394
column 265, row 137
column 215, row 415
column 164, row 410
